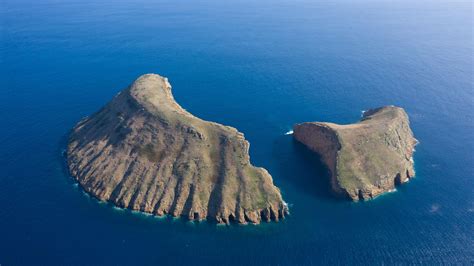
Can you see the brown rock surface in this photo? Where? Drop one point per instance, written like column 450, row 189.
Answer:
column 144, row 152
column 366, row 158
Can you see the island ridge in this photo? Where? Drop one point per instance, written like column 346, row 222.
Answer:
column 144, row 152
column 367, row 158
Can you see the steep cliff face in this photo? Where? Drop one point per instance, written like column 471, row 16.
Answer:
column 366, row 158
column 144, row 152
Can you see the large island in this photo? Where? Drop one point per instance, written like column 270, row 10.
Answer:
column 367, row 158
column 144, row 152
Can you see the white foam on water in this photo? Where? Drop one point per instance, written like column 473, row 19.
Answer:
column 118, row 208
column 434, row 208
column 289, row 132
column 146, row 214
column 390, row 191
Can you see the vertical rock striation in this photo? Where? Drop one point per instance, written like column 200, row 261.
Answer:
column 366, row 158
column 144, row 152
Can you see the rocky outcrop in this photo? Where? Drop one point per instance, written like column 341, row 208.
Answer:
column 366, row 158
column 144, row 152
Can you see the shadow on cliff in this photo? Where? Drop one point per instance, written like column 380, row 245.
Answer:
column 303, row 168
column 62, row 155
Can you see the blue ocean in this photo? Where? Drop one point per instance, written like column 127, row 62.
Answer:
column 259, row 66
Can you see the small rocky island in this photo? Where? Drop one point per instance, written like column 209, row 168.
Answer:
column 144, row 152
column 367, row 158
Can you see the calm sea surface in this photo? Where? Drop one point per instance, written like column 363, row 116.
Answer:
column 259, row 66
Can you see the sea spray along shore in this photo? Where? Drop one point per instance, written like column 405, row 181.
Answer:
column 261, row 67
column 144, row 152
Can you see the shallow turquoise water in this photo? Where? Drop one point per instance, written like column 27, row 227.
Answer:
column 260, row 67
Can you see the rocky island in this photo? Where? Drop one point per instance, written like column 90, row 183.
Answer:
column 367, row 158
column 144, row 152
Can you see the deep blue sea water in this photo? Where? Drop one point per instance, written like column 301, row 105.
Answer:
column 259, row 66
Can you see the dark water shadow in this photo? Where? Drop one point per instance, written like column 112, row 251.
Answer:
column 298, row 165
column 61, row 155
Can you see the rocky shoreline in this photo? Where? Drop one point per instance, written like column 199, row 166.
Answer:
column 144, row 152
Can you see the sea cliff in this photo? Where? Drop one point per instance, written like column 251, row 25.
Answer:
column 367, row 158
